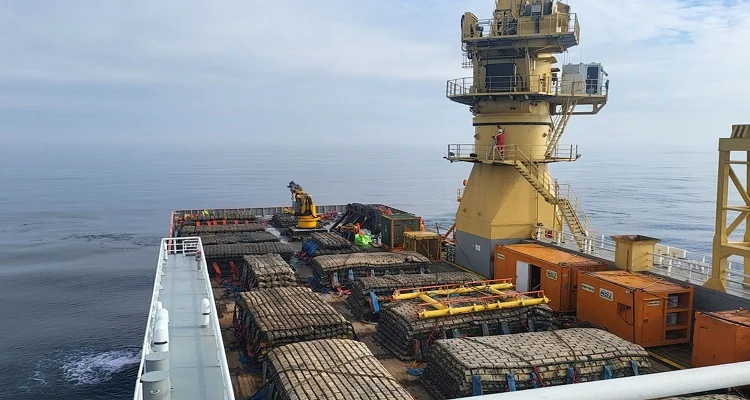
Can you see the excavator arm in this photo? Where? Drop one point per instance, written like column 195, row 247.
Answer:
column 304, row 207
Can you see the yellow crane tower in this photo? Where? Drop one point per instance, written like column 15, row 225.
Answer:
column 521, row 102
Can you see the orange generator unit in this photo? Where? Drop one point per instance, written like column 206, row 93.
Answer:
column 536, row 267
column 721, row 337
column 642, row 309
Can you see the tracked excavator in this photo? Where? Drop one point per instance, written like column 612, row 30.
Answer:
column 304, row 207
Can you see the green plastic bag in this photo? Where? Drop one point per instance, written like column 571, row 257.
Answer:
column 362, row 240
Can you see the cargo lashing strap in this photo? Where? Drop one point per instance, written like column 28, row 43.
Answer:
column 634, row 366
column 536, row 378
column 505, row 327
column 374, row 302
column 571, row 375
column 511, row 380
column 335, row 283
column 476, row 385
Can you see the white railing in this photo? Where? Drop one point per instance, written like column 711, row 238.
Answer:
column 187, row 246
column 689, row 267
column 148, row 336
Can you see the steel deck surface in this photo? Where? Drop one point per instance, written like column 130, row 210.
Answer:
column 195, row 373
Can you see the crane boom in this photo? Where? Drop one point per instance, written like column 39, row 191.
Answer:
column 304, row 207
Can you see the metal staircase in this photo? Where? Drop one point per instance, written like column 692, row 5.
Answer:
column 568, row 205
column 559, row 125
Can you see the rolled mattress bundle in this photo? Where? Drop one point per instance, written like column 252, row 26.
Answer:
column 277, row 316
column 407, row 336
column 330, row 369
column 215, row 229
column 216, row 252
column 366, row 264
column 530, row 360
column 266, row 271
column 242, row 237
column 241, row 216
column 326, row 243
column 359, row 301
column 283, row 220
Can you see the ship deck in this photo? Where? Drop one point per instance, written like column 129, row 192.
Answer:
column 247, row 379
column 204, row 362
column 195, row 372
column 196, row 365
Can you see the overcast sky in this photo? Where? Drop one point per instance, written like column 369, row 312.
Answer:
column 339, row 70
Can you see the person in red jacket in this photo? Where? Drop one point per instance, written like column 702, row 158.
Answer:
column 499, row 140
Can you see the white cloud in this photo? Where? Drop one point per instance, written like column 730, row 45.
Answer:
column 177, row 41
column 671, row 63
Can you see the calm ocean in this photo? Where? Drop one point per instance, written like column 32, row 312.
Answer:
column 81, row 228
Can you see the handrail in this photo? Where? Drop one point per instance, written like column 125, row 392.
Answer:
column 687, row 269
column 541, row 174
column 527, row 84
column 566, row 191
column 510, row 153
column 186, row 246
column 556, row 23
column 148, row 335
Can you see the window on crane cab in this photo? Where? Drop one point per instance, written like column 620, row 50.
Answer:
column 499, row 77
column 592, row 80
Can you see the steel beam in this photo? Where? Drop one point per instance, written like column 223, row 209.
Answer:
column 722, row 247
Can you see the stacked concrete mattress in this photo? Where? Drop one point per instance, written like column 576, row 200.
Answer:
column 529, row 360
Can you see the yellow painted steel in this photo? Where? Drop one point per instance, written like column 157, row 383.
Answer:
column 723, row 248
column 634, row 252
column 433, row 302
column 516, row 92
column 667, row 361
column 493, row 288
column 480, row 307
column 304, row 207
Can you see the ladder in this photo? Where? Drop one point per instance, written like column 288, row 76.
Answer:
column 559, row 126
column 569, row 207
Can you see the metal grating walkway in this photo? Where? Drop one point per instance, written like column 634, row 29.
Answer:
column 195, row 372
column 197, row 363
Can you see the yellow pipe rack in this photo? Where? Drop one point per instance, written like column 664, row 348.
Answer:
column 432, row 302
column 493, row 286
column 444, row 308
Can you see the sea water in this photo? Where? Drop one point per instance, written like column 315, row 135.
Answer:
column 80, row 228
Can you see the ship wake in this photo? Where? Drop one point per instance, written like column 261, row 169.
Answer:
column 84, row 367
column 93, row 368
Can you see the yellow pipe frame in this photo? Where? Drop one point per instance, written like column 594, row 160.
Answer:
column 479, row 307
column 493, row 288
column 432, row 302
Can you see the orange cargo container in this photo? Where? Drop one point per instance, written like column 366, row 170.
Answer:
column 721, row 337
column 536, row 267
column 640, row 308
